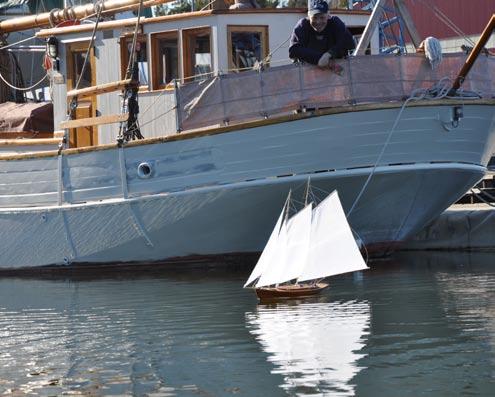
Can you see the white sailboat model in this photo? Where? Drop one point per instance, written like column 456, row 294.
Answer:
column 313, row 244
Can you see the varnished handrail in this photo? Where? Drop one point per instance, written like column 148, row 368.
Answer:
column 99, row 89
column 91, row 121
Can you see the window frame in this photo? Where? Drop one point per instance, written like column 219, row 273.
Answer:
column 265, row 42
column 155, row 62
column 187, row 66
column 124, row 58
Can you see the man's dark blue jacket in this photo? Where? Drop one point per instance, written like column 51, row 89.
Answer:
column 308, row 45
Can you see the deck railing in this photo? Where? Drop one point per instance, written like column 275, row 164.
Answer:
column 235, row 98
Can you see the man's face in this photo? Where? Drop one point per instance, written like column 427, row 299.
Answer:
column 318, row 21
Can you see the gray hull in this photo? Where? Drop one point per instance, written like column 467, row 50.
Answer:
column 221, row 193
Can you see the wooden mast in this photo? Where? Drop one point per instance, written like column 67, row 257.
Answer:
column 474, row 53
column 57, row 16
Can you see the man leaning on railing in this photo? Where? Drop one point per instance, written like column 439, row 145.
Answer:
column 320, row 38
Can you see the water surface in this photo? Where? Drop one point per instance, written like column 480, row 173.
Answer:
column 422, row 324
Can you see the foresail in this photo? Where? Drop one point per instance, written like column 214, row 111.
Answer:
column 272, row 270
column 267, row 254
column 293, row 250
column 332, row 248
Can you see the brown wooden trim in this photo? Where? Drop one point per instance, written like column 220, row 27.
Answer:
column 90, row 121
column 30, row 142
column 124, row 57
column 156, row 72
column 26, row 134
column 187, row 68
column 87, row 28
column 90, row 101
column 248, row 125
column 177, row 17
column 263, row 29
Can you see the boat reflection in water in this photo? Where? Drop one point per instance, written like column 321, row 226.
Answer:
column 313, row 345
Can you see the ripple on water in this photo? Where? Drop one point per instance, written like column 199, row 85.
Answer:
column 414, row 328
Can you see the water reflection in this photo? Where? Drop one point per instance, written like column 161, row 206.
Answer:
column 423, row 324
column 315, row 347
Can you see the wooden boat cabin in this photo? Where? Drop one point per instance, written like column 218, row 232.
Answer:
column 184, row 47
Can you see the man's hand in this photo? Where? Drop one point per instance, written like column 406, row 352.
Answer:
column 324, row 60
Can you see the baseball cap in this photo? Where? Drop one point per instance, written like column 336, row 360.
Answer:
column 317, row 7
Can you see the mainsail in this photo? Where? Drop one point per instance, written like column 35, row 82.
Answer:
column 313, row 244
column 333, row 249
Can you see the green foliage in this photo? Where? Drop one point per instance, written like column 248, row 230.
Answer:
column 268, row 3
column 297, row 4
column 180, row 7
column 304, row 4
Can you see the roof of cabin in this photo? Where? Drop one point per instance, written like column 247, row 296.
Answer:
column 176, row 17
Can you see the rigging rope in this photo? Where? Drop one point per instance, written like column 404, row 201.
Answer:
column 130, row 102
column 73, row 102
column 447, row 21
column 91, row 43
column 23, row 88
column 438, row 91
column 17, row 42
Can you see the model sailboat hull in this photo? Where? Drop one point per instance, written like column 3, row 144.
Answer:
column 290, row 291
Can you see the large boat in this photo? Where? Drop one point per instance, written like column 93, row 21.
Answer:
column 230, row 125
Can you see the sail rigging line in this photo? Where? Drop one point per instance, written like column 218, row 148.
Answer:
column 134, row 42
column 23, row 88
column 207, row 5
column 73, row 102
column 157, row 117
column 17, row 42
column 14, row 87
column 130, row 129
column 269, row 56
column 91, row 43
column 438, row 91
column 447, row 21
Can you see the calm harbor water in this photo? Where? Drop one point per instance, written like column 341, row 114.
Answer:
column 421, row 324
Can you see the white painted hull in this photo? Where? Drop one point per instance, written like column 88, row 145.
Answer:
column 222, row 193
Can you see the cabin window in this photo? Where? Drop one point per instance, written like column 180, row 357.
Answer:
column 247, row 45
column 165, row 58
column 141, row 57
column 78, row 58
column 197, row 52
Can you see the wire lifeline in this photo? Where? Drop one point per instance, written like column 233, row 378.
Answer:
column 23, row 88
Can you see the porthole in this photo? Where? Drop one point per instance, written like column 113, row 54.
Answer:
column 144, row 170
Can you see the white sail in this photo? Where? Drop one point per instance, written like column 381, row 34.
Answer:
column 271, row 272
column 267, row 255
column 332, row 248
column 297, row 248
column 293, row 253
